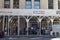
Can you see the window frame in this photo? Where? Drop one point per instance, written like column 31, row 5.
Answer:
column 36, row 6
column 14, row 5
column 7, row 4
column 29, row 5
column 58, row 4
column 50, row 4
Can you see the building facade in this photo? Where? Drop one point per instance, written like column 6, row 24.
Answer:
column 22, row 4
column 29, row 17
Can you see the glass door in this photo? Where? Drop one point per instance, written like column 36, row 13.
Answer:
column 46, row 26
column 1, row 23
column 6, row 25
column 33, row 28
column 13, row 25
column 23, row 26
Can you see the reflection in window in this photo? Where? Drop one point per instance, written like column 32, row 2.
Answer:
column 56, row 21
column 1, row 23
column 28, row 4
column 23, row 26
column 6, row 25
column 50, row 4
column 13, row 25
column 16, row 4
column 58, row 4
column 33, row 29
column 37, row 4
column 6, row 3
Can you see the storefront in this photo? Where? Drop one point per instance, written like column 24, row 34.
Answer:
column 28, row 21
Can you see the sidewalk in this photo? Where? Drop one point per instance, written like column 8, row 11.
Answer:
column 43, row 37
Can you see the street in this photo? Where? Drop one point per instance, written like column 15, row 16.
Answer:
column 28, row 38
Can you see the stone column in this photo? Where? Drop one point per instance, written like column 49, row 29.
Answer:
column 32, row 4
column 55, row 4
column 27, row 20
column 39, row 32
column 1, row 4
column 44, row 4
column 52, row 21
column 18, row 25
column 22, row 4
column 11, row 4
column 48, row 24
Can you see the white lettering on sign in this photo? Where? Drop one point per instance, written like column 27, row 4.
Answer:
column 5, row 12
column 38, row 12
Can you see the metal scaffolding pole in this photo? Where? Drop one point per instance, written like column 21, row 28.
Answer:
column 8, row 25
column 18, row 24
column 3, row 22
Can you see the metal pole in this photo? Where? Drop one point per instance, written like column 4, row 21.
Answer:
column 27, row 27
column 8, row 26
column 48, row 27
column 40, row 28
column 52, row 23
column 3, row 22
column 18, row 24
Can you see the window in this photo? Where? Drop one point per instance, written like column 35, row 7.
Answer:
column 58, row 4
column 50, row 4
column 28, row 4
column 13, row 25
column 15, row 3
column 6, row 3
column 37, row 4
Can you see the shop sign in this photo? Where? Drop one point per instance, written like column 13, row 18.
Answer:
column 38, row 12
column 6, row 12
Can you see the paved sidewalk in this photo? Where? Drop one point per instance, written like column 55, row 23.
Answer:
column 46, row 37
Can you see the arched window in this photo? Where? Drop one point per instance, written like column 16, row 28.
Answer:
column 46, row 26
column 23, row 26
column 13, row 25
column 56, row 21
column 33, row 26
